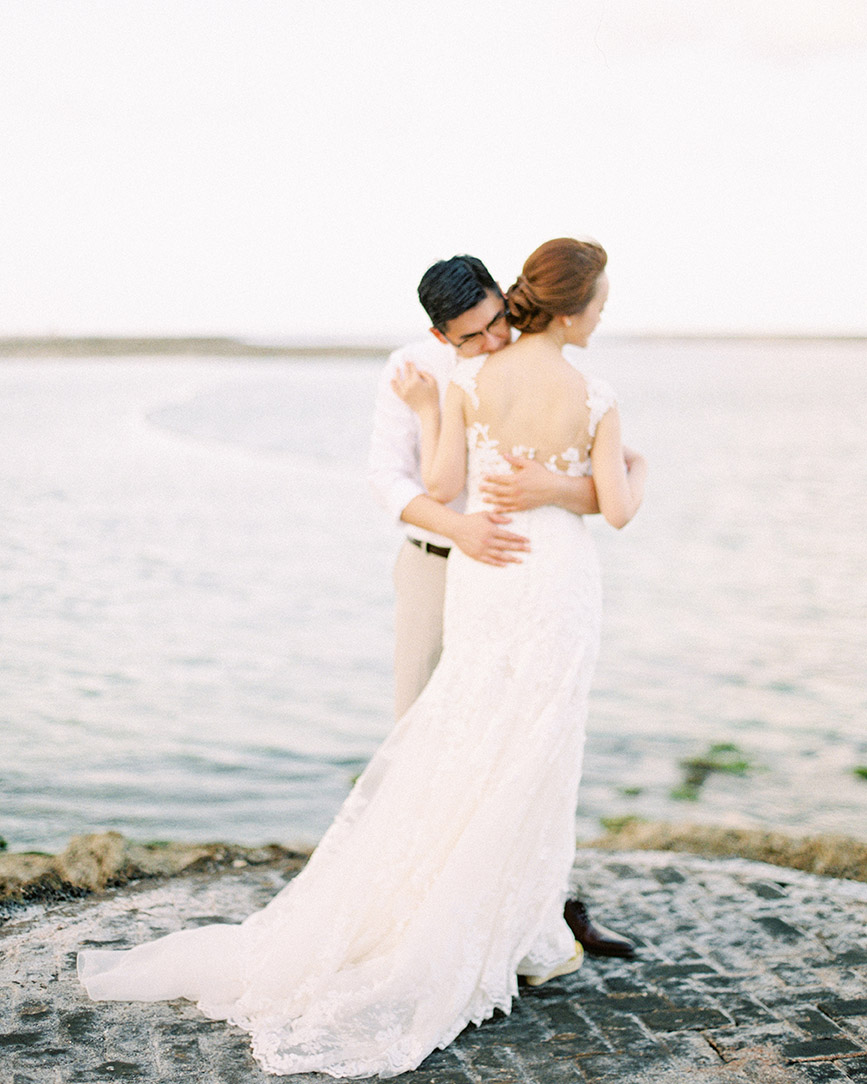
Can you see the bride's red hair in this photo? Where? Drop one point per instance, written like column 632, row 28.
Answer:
column 558, row 279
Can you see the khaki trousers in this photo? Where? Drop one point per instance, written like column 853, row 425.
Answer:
column 420, row 587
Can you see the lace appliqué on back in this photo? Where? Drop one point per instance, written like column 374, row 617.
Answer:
column 485, row 454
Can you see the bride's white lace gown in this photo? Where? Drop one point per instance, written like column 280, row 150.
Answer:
column 445, row 872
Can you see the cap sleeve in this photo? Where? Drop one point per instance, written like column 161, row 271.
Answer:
column 600, row 399
column 464, row 375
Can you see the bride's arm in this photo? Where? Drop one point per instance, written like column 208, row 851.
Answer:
column 443, row 446
column 619, row 490
column 444, row 459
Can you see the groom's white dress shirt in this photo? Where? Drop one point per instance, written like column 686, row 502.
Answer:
column 394, row 464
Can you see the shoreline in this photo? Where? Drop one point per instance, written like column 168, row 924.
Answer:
column 224, row 346
column 122, row 346
column 93, row 863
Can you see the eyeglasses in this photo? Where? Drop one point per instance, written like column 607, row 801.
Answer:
column 498, row 324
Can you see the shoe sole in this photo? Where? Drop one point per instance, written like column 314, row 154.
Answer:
column 564, row 969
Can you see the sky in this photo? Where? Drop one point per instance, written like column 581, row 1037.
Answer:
column 285, row 170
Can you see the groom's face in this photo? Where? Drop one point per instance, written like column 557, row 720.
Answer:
column 483, row 329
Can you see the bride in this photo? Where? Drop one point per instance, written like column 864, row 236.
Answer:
column 443, row 876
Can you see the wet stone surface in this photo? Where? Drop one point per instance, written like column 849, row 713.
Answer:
column 746, row 974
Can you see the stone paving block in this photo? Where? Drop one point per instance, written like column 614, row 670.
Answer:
column 824, row 1072
column 592, row 1000
column 855, row 1068
column 663, row 972
column 691, row 1047
column 13, row 1039
column 559, row 1016
column 560, row 1072
column 666, row 1070
column 729, row 980
column 621, row 870
column 856, row 1028
column 731, row 1043
column 686, row 996
column 668, row 875
column 767, row 890
column 815, row 1023
column 31, row 1011
column 442, row 1067
column 794, row 975
column 586, row 1039
column 606, row 1068
column 625, row 985
column 685, row 1019
column 626, row 1033
column 538, row 1067
column 782, row 1001
column 175, row 1047
column 777, row 927
column 630, row 1003
column 111, row 1070
column 819, row 1048
column 524, row 1026
column 856, row 1006
column 494, row 1060
column 745, row 1009
column 851, row 956
column 687, row 955
column 80, row 1025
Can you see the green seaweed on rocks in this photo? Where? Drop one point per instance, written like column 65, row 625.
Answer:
column 723, row 757
column 860, row 771
column 617, row 824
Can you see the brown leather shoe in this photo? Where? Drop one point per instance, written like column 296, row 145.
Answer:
column 597, row 940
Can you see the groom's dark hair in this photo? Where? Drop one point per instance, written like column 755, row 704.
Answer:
column 452, row 286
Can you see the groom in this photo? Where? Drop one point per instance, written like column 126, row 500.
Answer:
column 468, row 312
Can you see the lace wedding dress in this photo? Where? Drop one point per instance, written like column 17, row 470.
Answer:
column 444, row 875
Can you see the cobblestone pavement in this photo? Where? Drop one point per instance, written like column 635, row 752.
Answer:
column 746, row 973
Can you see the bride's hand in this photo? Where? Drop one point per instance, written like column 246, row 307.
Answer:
column 416, row 388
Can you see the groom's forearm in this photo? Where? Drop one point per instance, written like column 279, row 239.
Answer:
column 578, row 494
column 480, row 535
column 423, row 511
column 575, row 494
column 531, row 485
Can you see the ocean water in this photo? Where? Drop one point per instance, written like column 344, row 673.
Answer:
column 195, row 593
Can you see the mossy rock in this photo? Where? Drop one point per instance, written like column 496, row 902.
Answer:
column 723, row 757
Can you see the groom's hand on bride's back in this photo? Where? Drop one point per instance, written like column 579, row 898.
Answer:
column 529, row 485
column 532, row 485
column 483, row 536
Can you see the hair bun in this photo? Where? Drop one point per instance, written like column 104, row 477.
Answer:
column 558, row 279
column 525, row 310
